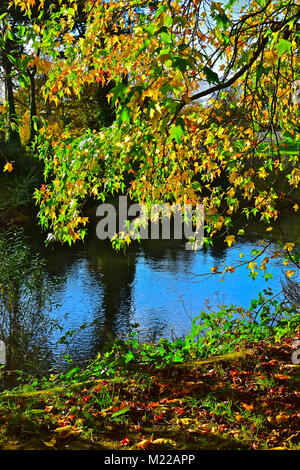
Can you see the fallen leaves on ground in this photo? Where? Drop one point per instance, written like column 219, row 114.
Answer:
column 245, row 402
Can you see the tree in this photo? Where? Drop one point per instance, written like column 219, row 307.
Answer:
column 7, row 45
column 174, row 54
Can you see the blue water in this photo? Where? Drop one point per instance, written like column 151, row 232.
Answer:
column 157, row 284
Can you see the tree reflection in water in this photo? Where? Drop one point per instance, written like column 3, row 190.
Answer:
column 25, row 306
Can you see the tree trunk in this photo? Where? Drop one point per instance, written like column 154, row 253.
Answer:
column 9, row 93
column 33, row 128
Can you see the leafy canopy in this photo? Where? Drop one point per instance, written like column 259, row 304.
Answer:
column 173, row 66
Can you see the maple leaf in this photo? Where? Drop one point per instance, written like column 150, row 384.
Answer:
column 289, row 246
column 125, row 441
column 8, row 167
column 230, row 239
column 289, row 273
column 271, row 57
column 247, row 407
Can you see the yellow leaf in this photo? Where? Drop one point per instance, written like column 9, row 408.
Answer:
column 164, row 442
column 48, row 409
column 230, row 239
column 176, row 7
column 278, row 448
column 289, row 273
column 238, row 417
column 144, row 444
column 247, row 407
column 271, row 57
column 67, row 431
column 289, row 246
column 50, row 443
column 186, row 421
column 296, row 207
column 282, row 377
column 8, row 167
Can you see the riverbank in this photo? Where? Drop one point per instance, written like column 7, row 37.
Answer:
column 245, row 400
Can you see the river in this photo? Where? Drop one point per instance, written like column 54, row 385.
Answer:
column 158, row 285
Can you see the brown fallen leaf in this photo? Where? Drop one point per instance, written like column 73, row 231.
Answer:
column 282, row 377
column 144, row 444
column 174, row 400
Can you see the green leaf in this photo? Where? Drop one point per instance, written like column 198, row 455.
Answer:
column 72, row 372
column 151, row 29
column 176, row 133
column 129, row 356
column 168, row 21
column 120, row 412
column 12, row 59
column 166, row 38
column 259, row 72
column 125, row 115
column 165, row 89
column 283, row 46
column 119, row 91
column 180, row 63
column 222, row 21
column 211, row 76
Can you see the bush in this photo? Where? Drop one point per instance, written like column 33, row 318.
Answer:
column 212, row 333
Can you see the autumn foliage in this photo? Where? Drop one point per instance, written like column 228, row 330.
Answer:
column 171, row 66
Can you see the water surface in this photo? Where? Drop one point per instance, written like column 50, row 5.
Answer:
column 158, row 285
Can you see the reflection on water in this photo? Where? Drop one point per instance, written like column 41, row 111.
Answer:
column 25, row 305
column 153, row 284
